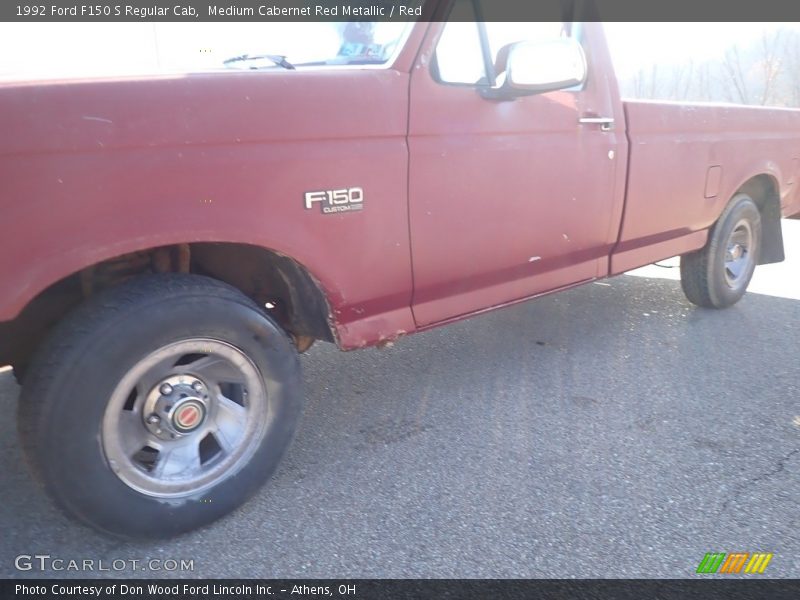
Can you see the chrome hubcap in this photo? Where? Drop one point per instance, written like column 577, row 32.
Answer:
column 738, row 254
column 176, row 407
column 185, row 417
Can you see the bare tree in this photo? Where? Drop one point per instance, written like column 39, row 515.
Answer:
column 791, row 68
column 704, row 84
column 734, row 76
column 770, row 65
column 766, row 72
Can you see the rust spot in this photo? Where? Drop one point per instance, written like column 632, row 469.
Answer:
column 172, row 259
column 113, row 271
column 388, row 341
column 87, row 282
column 303, row 342
column 182, row 258
column 162, row 261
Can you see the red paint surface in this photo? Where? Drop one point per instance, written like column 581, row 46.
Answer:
column 93, row 170
column 491, row 202
column 510, row 199
column 672, row 147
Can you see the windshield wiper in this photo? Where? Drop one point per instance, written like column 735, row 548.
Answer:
column 276, row 58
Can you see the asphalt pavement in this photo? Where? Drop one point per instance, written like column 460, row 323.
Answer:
column 613, row 430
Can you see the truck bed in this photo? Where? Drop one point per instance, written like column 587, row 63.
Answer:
column 685, row 162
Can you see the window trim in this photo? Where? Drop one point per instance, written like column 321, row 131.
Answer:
column 434, row 65
column 486, row 50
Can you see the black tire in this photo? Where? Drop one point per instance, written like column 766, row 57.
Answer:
column 705, row 278
column 71, row 379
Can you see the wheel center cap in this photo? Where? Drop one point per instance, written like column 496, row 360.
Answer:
column 188, row 415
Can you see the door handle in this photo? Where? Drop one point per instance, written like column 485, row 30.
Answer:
column 606, row 123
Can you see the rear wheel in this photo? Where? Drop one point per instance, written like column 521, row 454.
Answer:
column 718, row 275
column 160, row 405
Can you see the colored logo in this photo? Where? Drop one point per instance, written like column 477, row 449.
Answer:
column 734, row 563
column 188, row 416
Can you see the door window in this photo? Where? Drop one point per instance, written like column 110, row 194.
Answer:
column 472, row 53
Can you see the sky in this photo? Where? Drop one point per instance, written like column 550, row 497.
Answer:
column 639, row 45
column 47, row 50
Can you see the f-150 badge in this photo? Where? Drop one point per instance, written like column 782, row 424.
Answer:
column 336, row 201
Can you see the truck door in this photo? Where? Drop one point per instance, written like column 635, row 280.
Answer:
column 508, row 198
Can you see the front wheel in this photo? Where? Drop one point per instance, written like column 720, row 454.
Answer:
column 160, row 405
column 718, row 275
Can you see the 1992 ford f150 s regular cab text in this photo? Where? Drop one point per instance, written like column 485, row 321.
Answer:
column 171, row 243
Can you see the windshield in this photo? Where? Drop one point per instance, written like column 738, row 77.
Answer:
column 111, row 49
column 352, row 43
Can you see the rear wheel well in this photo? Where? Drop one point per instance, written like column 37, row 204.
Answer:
column 278, row 283
column 764, row 191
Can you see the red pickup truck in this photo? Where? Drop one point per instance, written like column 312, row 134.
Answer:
column 171, row 243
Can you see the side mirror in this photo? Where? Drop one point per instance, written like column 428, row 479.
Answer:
column 538, row 67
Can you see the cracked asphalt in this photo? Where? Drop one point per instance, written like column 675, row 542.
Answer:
column 613, row 430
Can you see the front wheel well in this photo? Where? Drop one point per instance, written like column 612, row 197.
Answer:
column 273, row 280
column 276, row 282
